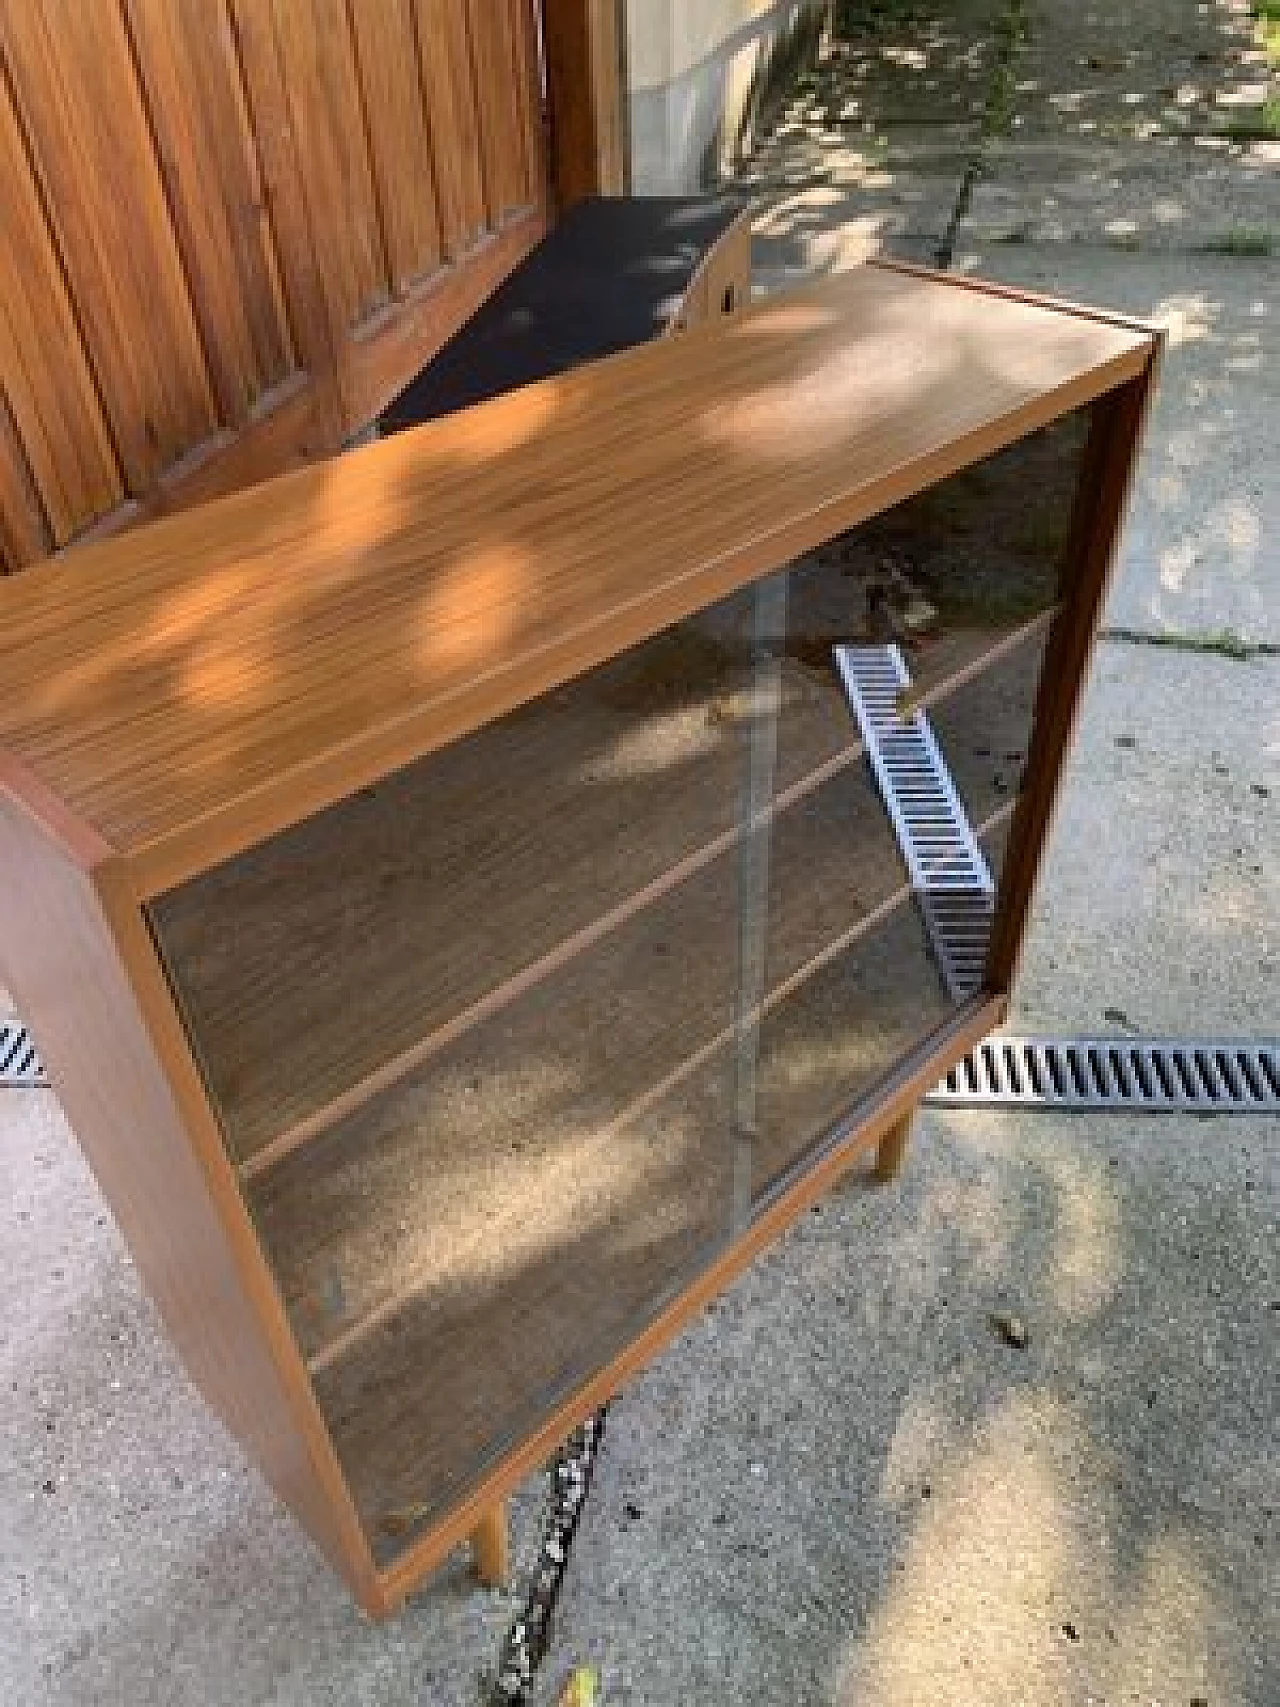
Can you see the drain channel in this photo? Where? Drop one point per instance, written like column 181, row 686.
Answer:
column 19, row 1064
column 1117, row 1073
column 949, row 875
column 1220, row 1077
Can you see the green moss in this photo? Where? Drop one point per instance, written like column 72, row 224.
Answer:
column 1245, row 241
column 1267, row 12
column 1253, row 124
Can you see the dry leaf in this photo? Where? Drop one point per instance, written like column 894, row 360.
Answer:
column 582, row 1689
column 1011, row 1329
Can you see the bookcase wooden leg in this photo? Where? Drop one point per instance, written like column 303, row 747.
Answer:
column 891, row 1150
column 490, row 1551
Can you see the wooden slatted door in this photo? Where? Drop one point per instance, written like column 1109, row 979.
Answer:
column 234, row 229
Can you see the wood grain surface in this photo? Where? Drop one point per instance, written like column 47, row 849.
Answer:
column 86, row 125
column 193, row 686
column 58, row 423
column 585, row 81
column 222, row 220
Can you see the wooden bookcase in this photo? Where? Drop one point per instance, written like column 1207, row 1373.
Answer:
column 447, row 888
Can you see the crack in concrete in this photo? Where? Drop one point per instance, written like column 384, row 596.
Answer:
column 1225, row 643
column 1011, row 30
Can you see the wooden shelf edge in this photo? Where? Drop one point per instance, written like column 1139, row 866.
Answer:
column 866, row 1123
column 738, row 231
column 337, row 1348
column 1017, row 293
column 391, row 1072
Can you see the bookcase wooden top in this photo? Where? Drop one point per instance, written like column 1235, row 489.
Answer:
column 174, row 694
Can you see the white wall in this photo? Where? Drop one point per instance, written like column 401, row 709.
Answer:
column 690, row 71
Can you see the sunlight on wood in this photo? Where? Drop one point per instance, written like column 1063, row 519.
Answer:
column 358, row 504
column 653, row 746
column 226, row 678
column 186, row 614
column 811, row 409
column 830, row 395
column 470, row 610
column 789, row 319
column 477, row 435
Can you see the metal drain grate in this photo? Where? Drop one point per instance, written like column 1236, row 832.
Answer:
column 19, row 1063
column 949, row 875
column 1117, row 1073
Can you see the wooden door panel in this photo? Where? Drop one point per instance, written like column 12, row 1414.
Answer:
column 528, row 91
column 434, row 206
column 59, row 449
column 449, row 93
column 497, row 76
column 386, row 39
column 236, row 229
column 317, row 53
column 24, row 526
column 81, row 110
column 200, row 117
column 376, row 364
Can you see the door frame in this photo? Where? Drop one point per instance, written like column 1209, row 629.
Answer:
column 584, row 72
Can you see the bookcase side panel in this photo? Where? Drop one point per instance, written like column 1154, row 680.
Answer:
column 81, row 967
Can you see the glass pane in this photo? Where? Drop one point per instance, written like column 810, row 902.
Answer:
column 508, row 1045
column 457, row 1254
column 948, row 576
